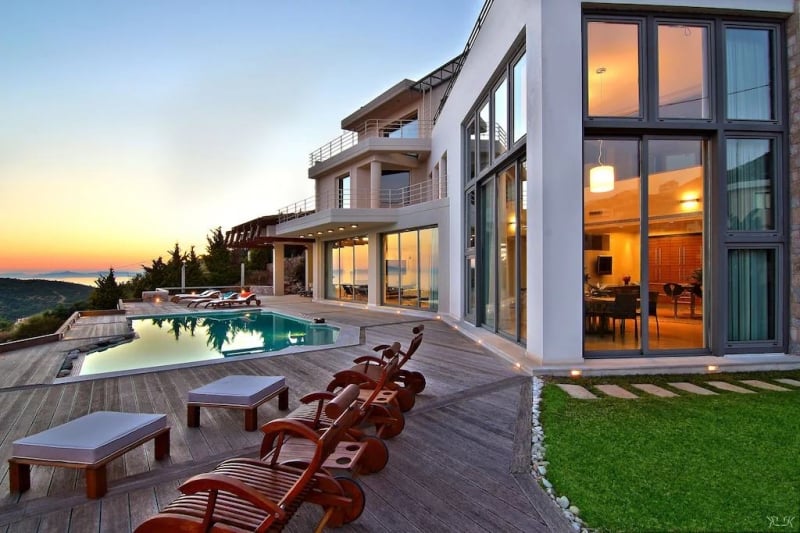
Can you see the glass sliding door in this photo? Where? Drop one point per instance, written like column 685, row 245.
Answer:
column 411, row 268
column 645, row 295
column 506, row 264
column 612, row 245
column 347, row 269
column 675, row 230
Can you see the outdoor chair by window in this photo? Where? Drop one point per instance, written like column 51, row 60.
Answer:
column 624, row 308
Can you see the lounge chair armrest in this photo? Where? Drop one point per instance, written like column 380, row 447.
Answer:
column 211, row 481
column 380, row 347
column 369, row 359
column 350, row 376
column 317, row 396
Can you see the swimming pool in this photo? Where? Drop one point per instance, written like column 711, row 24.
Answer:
column 179, row 339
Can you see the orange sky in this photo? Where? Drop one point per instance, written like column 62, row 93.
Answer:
column 128, row 127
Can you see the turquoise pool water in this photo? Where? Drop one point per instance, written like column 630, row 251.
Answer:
column 178, row 339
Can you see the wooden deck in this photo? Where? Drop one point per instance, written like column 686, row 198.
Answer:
column 461, row 464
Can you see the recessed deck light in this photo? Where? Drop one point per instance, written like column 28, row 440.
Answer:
column 712, row 368
column 575, row 373
column 341, row 228
column 353, row 225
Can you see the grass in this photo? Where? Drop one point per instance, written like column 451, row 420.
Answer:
column 724, row 463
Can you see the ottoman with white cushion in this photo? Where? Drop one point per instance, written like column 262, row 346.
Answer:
column 238, row 392
column 90, row 443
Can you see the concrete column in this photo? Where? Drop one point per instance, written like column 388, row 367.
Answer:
column 309, row 253
column 375, row 169
column 374, row 288
column 277, row 268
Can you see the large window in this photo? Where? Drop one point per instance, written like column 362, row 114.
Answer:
column 495, row 242
column 347, row 269
column 411, row 268
column 685, row 196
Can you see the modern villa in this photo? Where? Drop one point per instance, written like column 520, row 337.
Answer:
column 586, row 180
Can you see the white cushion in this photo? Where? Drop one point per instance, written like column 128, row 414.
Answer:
column 237, row 390
column 90, row 438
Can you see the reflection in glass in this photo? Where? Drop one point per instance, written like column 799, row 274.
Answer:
column 471, row 219
column 749, row 73
column 751, row 295
column 489, row 249
column 750, row 176
column 612, row 74
column 520, row 101
column 411, row 262
column 507, row 265
column 501, row 119
column 683, row 71
column 347, row 269
column 484, row 138
column 391, row 271
column 472, row 288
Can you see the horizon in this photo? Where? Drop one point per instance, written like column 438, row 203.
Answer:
column 130, row 127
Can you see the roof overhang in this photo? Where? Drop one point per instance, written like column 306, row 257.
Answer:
column 400, row 94
column 328, row 223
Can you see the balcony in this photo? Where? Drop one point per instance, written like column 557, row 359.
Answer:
column 392, row 130
column 353, row 209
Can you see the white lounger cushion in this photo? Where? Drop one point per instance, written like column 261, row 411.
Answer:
column 237, row 390
column 90, row 438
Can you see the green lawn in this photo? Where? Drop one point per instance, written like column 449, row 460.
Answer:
column 693, row 463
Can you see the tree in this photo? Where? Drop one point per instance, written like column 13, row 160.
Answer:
column 218, row 260
column 107, row 294
column 194, row 269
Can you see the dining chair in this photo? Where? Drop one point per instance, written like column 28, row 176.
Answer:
column 624, row 308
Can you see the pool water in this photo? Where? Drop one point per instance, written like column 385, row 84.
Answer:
column 178, row 339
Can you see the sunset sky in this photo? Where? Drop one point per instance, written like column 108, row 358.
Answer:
column 126, row 127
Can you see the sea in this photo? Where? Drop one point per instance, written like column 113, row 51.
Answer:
column 81, row 278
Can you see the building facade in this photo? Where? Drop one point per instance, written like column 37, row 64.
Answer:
column 586, row 180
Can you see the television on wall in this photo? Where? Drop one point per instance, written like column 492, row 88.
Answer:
column 604, row 265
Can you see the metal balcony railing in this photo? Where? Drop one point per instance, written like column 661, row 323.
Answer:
column 392, row 129
column 418, row 193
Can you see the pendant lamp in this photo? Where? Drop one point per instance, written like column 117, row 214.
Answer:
column 601, row 177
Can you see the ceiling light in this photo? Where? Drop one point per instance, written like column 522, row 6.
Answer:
column 601, row 177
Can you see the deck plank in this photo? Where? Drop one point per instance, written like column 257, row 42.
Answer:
column 450, row 470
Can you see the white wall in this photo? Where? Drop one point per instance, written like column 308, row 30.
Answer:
column 553, row 30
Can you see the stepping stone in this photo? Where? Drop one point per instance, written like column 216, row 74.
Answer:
column 789, row 381
column 691, row 387
column 763, row 385
column 724, row 385
column 576, row 391
column 616, row 391
column 655, row 390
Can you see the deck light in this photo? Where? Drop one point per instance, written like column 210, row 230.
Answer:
column 712, row 368
column 575, row 373
column 341, row 228
column 330, row 231
column 353, row 225
column 518, row 364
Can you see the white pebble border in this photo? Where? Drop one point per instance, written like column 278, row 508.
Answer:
column 539, row 464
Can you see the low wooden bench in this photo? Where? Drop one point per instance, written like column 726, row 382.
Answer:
column 89, row 443
column 238, row 392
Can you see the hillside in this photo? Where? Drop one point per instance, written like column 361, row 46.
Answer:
column 24, row 297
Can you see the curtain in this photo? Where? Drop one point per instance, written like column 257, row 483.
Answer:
column 749, row 74
column 751, row 293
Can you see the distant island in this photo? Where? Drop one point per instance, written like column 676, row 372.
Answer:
column 65, row 274
column 20, row 298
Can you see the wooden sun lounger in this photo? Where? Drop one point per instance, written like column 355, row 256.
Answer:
column 410, row 383
column 358, row 453
column 378, row 398
column 252, row 495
